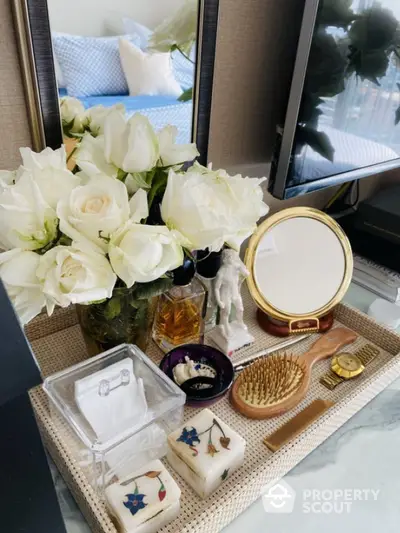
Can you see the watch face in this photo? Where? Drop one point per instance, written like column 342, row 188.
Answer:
column 347, row 365
column 349, row 362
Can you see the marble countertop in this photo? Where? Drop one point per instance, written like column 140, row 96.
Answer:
column 351, row 482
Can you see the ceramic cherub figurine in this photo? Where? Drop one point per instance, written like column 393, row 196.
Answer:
column 231, row 335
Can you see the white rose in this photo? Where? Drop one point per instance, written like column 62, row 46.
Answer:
column 7, row 178
column 72, row 276
column 49, row 170
column 26, row 220
column 93, row 118
column 171, row 153
column 72, row 111
column 140, row 253
column 89, row 156
column 207, row 209
column 18, row 273
column 126, row 147
column 95, row 210
column 179, row 30
column 132, row 145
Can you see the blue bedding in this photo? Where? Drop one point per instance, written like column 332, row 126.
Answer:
column 160, row 110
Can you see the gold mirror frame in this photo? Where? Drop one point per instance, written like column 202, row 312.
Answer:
column 274, row 220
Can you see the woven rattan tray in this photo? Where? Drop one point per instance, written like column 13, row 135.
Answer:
column 58, row 343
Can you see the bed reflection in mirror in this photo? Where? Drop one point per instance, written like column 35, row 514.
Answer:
column 132, row 55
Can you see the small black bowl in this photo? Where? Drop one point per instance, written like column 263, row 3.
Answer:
column 207, row 355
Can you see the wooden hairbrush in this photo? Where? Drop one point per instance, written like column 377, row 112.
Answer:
column 273, row 385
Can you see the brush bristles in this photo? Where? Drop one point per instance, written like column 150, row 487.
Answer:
column 270, row 380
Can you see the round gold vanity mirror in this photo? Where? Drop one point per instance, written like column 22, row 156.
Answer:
column 300, row 265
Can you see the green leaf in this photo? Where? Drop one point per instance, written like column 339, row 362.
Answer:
column 67, row 127
column 327, row 67
column 370, row 65
column 336, row 13
column 309, row 111
column 146, row 291
column 158, row 186
column 64, row 240
column 121, row 175
column 142, row 180
column 186, row 95
column 374, row 29
column 139, row 319
column 113, row 308
column 317, row 140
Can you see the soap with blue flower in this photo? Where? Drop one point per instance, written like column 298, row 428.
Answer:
column 205, row 451
column 146, row 500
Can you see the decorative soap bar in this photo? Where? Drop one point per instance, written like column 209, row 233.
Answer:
column 146, row 501
column 205, row 451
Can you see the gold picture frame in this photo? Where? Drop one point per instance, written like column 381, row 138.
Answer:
column 261, row 302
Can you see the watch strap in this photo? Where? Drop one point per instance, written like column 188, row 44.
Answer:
column 331, row 380
column 366, row 354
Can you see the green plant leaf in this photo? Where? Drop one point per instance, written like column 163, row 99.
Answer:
column 139, row 319
column 158, row 186
column 336, row 13
column 141, row 180
column 327, row 67
column 113, row 308
column 121, row 175
column 318, row 140
column 374, row 29
column 145, row 291
column 309, row 112
column 370, row 65
column 186, row 95
column 64, row 240
column 67, row 127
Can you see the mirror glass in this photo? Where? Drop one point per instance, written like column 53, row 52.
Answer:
column 138, row 53
column 299, row 265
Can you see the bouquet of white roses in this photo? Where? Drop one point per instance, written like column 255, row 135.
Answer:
column 125, row 218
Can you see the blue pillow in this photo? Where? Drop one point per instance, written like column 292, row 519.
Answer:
column 91, row 65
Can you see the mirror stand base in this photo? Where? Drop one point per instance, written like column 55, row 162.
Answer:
column 281, row 329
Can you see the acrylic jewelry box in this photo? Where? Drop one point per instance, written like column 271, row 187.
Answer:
column 114, row 431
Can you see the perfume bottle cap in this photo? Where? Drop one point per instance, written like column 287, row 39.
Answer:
column 208, row 263
column 185, row 273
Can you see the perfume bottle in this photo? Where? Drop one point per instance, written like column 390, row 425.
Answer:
column 207, row 266
column 180, row 313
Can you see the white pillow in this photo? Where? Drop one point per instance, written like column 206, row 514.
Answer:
column 147, row 74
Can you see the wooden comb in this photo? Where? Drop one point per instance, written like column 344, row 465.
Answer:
column 273, row 385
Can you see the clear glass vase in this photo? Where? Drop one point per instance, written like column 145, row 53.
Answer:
column 127, row 317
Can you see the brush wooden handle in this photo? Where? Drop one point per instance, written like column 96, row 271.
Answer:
column 328, row 345
column 324, row 347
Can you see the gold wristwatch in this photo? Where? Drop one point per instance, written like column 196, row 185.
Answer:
column 348, row 365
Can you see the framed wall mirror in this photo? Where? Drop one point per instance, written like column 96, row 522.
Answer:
column 154, row 57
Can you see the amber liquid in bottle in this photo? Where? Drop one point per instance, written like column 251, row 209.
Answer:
column 179, row 318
